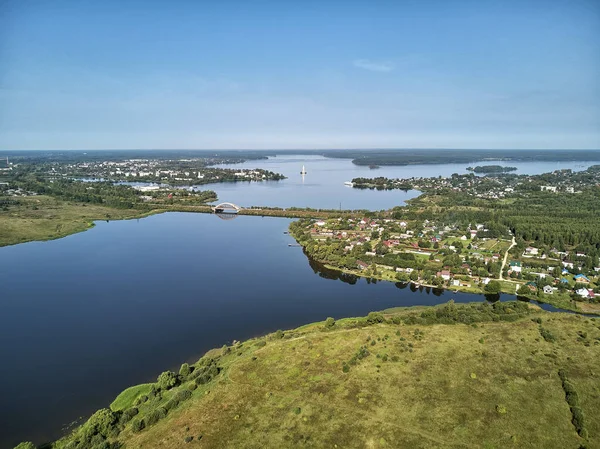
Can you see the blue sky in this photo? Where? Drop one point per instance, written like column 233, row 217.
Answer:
column 299, row 74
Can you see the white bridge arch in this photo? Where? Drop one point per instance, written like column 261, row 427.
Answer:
column 227, row 208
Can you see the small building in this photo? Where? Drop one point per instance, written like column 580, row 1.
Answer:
column 583, row 292
column 444, row 274
column 361, row 265
column 515, row 266
column 531, row 251
column 581, row 279
column 548, row 290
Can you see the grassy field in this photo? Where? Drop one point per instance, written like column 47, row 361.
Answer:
column 400, row 379
column 46, row 218
column 128, row 396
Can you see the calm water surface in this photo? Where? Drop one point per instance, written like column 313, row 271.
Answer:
column 86, row 316
column 323, row 185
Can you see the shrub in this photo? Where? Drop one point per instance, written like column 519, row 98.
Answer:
column 329, row 322
column 156, row 415
column 345, row 367
column 170, row 405
column 547, row 335
column 182, row 395
column 260, row 343
column 572, row 399
column 578, row 419
column 167, row 380
column 137, row 425
column 128, row 414
column 185, row 370
column 25, row 445
column 192, row 386
column 375, row 317
column 188, row 439
column 101, row 423
column 279, row 334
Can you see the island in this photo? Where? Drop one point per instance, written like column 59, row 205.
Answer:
column 485, row 169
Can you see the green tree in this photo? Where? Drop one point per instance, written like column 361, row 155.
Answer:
column 493, row 287
column 167, row 380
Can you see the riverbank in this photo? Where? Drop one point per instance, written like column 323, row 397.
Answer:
column 42, row 218
column 506, row 286
column 351, row 382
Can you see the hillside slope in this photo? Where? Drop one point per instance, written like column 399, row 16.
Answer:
column 500, row 376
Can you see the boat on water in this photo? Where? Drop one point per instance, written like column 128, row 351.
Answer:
column 303, row 172
column 349, row 184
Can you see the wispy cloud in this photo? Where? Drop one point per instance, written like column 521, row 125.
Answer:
column 373, row 66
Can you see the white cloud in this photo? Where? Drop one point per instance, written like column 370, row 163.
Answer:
column 373, row 66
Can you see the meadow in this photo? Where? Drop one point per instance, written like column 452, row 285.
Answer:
column 455, row 375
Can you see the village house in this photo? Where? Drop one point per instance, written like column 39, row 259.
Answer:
column 548, row 290
column 581, row 279
column 530, row 251
column 361, row 265
column 583, row 292
column 515, row 266
column 444, row 274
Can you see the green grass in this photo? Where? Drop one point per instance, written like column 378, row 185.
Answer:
column 46, row 218
column 491, row 384
column 127, row 397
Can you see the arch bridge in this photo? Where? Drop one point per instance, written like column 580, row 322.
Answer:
column 226, row 208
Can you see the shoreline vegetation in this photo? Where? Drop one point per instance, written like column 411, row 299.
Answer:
column 485, row 169
column 323, row 383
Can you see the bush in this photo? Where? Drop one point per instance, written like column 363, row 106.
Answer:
column 167, row 380
column 329, row 323
column 25, row 445
column 578, row 419
column 192, row 386
column 128, row 414
column 100, row 423
column 185, row 370
column 182, row 395
column 547, row 335
column 137, row 425
column 572, row 399
column 375, row 317
column 156, row 415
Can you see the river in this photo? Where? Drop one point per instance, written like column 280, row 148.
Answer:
column 83, row 317
column 86, row 316
column 323, row 185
